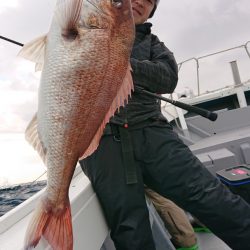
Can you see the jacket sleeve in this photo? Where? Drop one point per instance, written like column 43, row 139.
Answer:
column 158, row 75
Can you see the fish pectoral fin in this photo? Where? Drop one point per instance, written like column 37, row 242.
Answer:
column 68, row 14
column 31, row 135
column 35, row 51
column 121, row 98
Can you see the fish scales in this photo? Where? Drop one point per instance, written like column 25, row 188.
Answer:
column 85, row 78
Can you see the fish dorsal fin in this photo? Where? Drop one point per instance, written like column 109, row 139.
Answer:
column 31, row 135
column 35, row 51
column 122, row 96
column 67, row 14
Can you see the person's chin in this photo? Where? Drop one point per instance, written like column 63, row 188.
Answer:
column 137, row 18
column 137, row 21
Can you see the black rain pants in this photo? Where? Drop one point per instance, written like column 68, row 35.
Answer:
column 167, row 166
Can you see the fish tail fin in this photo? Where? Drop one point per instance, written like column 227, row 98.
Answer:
column 56, row 228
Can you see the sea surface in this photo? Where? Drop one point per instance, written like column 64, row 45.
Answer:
column 21, row 171
column 12, row 196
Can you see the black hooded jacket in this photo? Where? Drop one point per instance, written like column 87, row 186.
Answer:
column 155, row 69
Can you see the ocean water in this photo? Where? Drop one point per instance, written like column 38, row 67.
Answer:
column 12, row 196
column 22, row 172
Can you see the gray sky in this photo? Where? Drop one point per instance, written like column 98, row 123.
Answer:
column 189, row 28
column 196, row 27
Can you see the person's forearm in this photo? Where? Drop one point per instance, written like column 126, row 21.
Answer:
column 158, row 77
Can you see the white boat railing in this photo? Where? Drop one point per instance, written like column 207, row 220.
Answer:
column 197, row 60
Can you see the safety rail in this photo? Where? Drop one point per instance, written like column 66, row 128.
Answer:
column 197, row 59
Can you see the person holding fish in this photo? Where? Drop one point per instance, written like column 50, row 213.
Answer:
column 140, row 147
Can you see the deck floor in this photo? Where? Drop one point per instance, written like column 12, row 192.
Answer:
column 208, row 241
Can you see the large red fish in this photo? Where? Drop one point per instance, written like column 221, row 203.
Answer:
column 85, row 78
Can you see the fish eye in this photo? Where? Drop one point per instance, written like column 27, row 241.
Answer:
column 117, row 3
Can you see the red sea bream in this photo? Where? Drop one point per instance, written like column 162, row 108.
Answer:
column 85, row 78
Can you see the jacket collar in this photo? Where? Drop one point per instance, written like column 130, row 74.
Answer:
column 144, row 28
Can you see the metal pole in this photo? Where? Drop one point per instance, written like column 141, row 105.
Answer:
column 198, row 75
column 239, row 91
column 235, row 71
column 245, row 46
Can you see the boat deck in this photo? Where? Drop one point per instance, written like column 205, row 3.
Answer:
column 208, row 241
